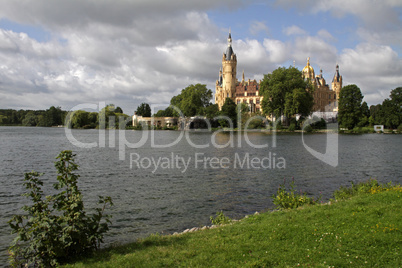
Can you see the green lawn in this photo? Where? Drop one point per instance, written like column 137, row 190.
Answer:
column 363, row 231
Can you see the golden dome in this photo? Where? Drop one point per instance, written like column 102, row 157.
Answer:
column 308, row 71
column 308, row 67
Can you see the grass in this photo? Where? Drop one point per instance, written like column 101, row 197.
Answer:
column 364, row 229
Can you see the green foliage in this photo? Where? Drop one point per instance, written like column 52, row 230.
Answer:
column 56, row 228
column 256, row 121
column 211, row 111
column 109, row 117
column 308, row 129
column 30, row 119
column 285, row 199
column 292, row 127
column 143, row 110
column 399, row 129
column 249, row 120
column 220, row 219
column 43, row 118
column 286, row 93
column 371, row 186
column 228, row 110
column 192, row 100
column 82, row 119
column 168, row 112
column 350, row 102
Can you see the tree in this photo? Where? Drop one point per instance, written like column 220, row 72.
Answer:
column 168, row 112
column 118, row 110
column 286, row 93
column 389, row 113
column 193, row 100
column 229, row 110
column 80, row 119
column 211, row 111
column 30, row 119
column 143, row 110
column 105, row 114
column 349, row 109
column 396, row 102
column 365, row 118
column 298, row 102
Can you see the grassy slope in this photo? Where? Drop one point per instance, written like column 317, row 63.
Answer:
column 365, row 230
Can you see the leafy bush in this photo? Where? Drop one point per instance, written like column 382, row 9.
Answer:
column 290, row 199
column 371, row 186
column 308, row 129
column 56, row 228
column 220, row 218
column 399, row 129
column 292, row 127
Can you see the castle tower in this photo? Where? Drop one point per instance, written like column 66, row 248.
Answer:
column 337, row 82
column 308, row 72
column 226, row 88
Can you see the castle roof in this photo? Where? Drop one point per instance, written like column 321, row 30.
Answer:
column 229, row 52
column 336, row 75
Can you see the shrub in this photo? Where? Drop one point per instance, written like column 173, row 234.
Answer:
column 399, row 129
column 220, row 218
column 56, row 228
column 290, row 199
column 292, row 127
column 371, row 186
column 308, row 129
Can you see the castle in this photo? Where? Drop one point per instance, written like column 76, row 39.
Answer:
column 247, row 91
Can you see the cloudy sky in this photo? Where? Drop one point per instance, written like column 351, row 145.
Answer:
column 65, row 53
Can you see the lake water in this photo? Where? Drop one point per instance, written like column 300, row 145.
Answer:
column 188, row 184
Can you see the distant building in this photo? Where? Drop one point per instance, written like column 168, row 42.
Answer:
column 155, row 121
column 247, row 91
column 325, row 99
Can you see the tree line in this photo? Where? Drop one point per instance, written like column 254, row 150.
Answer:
column 53, row 116
column 355, row 113
column 108, row 117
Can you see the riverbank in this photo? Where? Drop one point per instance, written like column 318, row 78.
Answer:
column 364, row 230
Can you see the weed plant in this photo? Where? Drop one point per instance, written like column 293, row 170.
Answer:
column 220, row 219
column 56, row 228
column 287, row 199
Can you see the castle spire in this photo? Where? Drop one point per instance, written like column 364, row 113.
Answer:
column 229, row 50
column 229, row 39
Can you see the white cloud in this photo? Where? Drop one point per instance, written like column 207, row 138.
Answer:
column 257, row 27
column 294, row 30
column 107, row 55
column 371, row 12
column 374, row 68
column 325, row 35
column 278, row 51
column 320, row 51
column 134, row 51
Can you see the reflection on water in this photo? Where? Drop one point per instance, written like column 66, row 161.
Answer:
column 167, row 199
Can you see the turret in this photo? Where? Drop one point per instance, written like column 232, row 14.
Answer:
column 337, row 82
column 226, row 85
